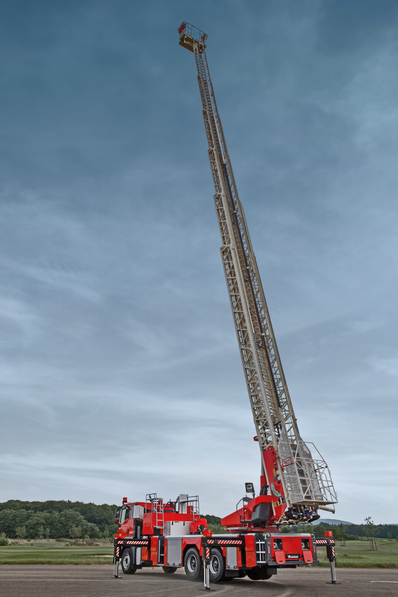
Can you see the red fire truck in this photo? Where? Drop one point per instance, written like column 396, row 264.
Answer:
column 295, row 481
column 173, row 534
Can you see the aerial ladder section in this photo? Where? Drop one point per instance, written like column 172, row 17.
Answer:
column 299, row 482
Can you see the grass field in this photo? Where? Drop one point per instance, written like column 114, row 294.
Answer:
column 54, row 552
column 356, row 554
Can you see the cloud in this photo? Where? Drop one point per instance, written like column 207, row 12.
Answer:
column 120, row 371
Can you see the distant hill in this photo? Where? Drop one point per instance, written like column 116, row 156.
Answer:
column 332, row 521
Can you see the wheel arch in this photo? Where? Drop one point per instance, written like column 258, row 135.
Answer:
column 186, row 548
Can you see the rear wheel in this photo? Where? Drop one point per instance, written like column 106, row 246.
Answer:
column 217, row 566
column 254, row 573
column 127, row 562
column 169, row 569
column 258, row 573
column 193, row 564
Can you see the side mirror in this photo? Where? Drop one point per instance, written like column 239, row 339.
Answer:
column 117, row 516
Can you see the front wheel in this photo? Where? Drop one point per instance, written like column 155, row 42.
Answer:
column 127, row 562
column 193, row 564
column 217, row 566
column 169, row 569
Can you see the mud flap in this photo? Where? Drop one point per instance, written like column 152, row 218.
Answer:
column 280, row 557
column 308, row 559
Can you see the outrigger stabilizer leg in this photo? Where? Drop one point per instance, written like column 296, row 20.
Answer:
column 328, row 542
column 332, row 559
column 206, row 565
column 116, row 568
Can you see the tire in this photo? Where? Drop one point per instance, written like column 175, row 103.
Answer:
column 217, row 565
column 255, row 573
column 193, row 564
column 264, row 573
column 169, row 569
column 258, row 573
column 127, row 562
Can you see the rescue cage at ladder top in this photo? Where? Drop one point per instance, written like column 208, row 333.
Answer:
column 299, row 482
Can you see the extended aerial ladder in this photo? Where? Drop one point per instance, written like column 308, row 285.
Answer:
column 294, row 483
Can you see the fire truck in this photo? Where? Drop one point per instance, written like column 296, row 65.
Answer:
column 295, row 481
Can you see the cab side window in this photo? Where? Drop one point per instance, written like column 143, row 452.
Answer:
column 125, row 514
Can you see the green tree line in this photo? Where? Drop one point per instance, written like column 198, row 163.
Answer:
column 56, row 520
column 72, row 520
column 349, row 531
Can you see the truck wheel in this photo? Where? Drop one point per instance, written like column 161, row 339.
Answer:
column 255, row 573
column 127, row 562
column 217, row 566
column 169, row 569
column 193, row 564
column 264, row 573
column 258, row 573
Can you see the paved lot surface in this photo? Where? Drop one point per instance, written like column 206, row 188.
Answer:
column 97, row 581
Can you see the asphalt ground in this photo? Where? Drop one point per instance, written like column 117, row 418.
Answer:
column 97, row 581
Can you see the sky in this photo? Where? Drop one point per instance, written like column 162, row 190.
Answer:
column 120, row 373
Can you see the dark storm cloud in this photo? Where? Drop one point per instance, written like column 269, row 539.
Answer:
column 116, row 335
